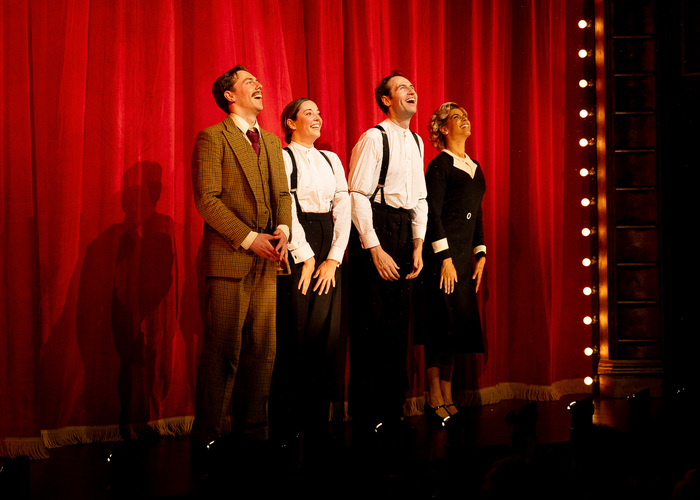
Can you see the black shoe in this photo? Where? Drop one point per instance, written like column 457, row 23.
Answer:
column 432, row 416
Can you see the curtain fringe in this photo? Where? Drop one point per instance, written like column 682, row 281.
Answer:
column 33, row 448
column 513, row 390
column 37, row 448
column 414, row 406
column 66, row 436
column 174, row 426
column 486, row 396
column 504, row 391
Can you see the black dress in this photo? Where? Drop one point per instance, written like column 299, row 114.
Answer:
column 450, row 322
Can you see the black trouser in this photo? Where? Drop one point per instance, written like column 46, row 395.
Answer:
column 379, row 321
column 308, row 368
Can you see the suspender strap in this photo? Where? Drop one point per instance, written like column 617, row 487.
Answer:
column 332, row 170
column 385, row 161
column 385, row 164
column 293, row 178
column 415, row 136
column 329, row 162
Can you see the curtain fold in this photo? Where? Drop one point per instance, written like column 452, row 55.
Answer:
column 100, row 298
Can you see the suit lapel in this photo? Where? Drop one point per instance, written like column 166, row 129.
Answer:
column 272, row 166
column 244, row 153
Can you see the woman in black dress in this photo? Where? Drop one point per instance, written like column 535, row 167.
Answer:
column 455, row 240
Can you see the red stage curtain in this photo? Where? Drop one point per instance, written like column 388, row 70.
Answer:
column 101, row 100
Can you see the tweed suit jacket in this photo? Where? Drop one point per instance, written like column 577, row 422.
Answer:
column 229, row 194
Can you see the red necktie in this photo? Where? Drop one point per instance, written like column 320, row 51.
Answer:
column 254, row 138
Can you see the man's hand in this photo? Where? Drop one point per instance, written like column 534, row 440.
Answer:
column 262, row 246
column 281, row 247
column 478, row 271
column 417, row 258
column 386, row 267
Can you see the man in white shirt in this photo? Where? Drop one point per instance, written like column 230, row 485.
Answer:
column 389, row 213
column 240, row 189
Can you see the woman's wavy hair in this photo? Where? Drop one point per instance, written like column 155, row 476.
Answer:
column 438, row 120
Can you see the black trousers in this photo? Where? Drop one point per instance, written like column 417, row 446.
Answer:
column 309, row 369
column 379, row 312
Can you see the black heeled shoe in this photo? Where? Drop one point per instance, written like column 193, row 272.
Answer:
column 432, row 416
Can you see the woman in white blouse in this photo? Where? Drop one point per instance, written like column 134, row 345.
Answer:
column 309, row 365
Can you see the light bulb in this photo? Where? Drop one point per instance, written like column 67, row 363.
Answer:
column 589, row 320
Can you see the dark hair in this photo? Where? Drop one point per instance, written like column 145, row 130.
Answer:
column 383, row 89
column 223, row 83
column 290, row 113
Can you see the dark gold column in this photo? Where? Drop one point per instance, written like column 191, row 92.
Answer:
column 630, row 273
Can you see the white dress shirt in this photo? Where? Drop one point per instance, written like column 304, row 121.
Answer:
column 242, row 124
column 405, row 180
column 320, row 189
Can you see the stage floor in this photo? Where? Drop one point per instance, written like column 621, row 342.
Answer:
column 636, row 451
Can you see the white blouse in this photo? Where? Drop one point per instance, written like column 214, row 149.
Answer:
column 320, row 189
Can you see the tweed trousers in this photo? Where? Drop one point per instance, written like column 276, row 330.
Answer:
column 238, row 354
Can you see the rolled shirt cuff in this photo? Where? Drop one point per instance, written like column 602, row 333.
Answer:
column 480, row 249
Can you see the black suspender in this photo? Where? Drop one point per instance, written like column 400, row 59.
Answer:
column 293, row 177
column 329, row 162
column 385, row 161
column 415, row 136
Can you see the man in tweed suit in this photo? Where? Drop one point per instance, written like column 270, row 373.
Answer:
column 240, row 189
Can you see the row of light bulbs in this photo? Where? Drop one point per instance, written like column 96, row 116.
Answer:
column 585, row 142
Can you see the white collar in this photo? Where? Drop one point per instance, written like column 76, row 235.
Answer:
column 466, row 163
column 396, row 127
column 242, row 123
column 301, row 147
